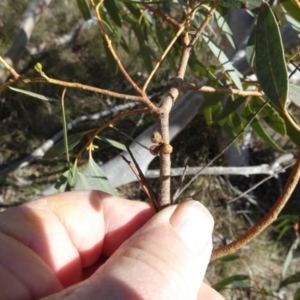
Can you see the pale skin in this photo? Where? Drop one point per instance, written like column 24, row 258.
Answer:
column 91, row 245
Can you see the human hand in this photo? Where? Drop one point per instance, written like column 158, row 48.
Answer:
column 121, row 247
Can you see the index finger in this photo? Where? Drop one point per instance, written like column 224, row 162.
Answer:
column 75, row 226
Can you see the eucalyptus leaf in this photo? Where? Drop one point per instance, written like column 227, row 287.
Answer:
column 221, row 22
column 289, row 257
column 224, row 60
column 269, row 114
column 259, row 129
column 199, row 67
column 112, row 142
column 59, row 148
column 231, row 106
column 250, row 48
column 34, row 95
column 72, row 179
column 291, row 279
column 84, row 181
column 229, row 257
column 100, row 178
column 229, row 281
column 210, row 99
column 276, row 123
column 114, row 11
column 84, row 9
column 144, row 47
column 270, row 62
column 61, row 181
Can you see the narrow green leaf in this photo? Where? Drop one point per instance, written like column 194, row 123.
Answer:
column 114, row 11
column 65, row 129
column 124, row 45
column 84, row 9
column 291, row 279
column 59, row 148
column 229, row 257
column 133, row 8
column 229, row 280
column 259, row 129
column 210, row 99
column 100, row 178
column 62, row 180
column 294, row 93
column 84, row 181
column 225, row 61
column 283, row 231
column 144, row 47
column 34, row 95
column 111, row 142
column 276, row 123
column 199, row 67
column 270, row 62
column 72, row 179
column 208, row 115
column 289, row 257
column 250, row 48
column 227, row 127
column 295, row 24
column 221, row 22
column 269, row 115
column 231, row 106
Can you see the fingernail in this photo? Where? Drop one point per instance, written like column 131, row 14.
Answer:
column 194, row 224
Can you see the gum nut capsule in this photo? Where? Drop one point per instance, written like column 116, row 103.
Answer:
column 154, row 149
column 166, row 149
column 156, row 137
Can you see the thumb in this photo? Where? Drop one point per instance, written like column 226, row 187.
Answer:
column 165, row 259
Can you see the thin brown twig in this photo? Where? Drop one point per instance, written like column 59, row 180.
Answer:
column 162, row 57
column 223, row 151
column 141, row 180
column 107, row 124
column 112, row 51
column 267, row 219
column 76, row 85
column 258, row 184
column 180, row 184
column 167, row 19
column 10, row 69
column 220, row 90
column 204, row 24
